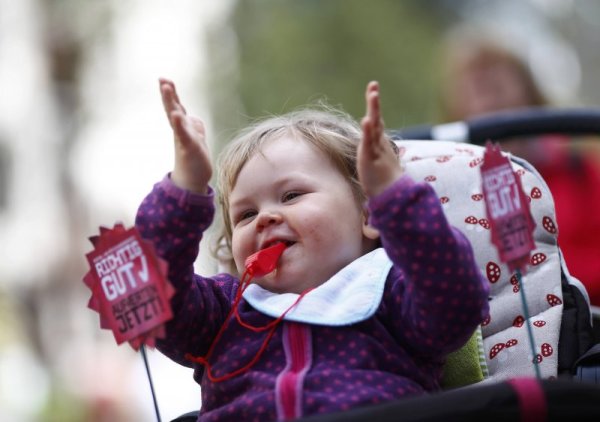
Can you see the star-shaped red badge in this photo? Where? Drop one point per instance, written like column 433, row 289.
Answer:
column 129, row 284
column 507, row 208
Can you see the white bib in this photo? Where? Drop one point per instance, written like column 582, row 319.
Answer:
column 352, row 295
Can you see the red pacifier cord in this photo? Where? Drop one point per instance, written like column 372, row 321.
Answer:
column 258, row 264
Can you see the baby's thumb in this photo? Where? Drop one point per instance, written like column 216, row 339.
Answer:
column 180, row 127
column 198, row 125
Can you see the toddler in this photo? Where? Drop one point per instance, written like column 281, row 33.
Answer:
column 373, row 288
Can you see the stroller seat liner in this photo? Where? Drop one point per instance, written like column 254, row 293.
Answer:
column 453, row 170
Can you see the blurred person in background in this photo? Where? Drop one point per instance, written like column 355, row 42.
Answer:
column 480, row 77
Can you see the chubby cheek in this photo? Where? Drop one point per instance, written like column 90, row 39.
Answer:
column 240, row 249
column 314, row 228
column 331, row 237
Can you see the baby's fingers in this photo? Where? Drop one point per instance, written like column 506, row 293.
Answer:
column 373, row 115
column 170, row 99
column 368, row 144
column 372, row 123
column 171, row 84
column 188, row 129
column 372, row 100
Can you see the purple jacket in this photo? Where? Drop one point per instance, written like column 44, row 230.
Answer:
column 434, row 298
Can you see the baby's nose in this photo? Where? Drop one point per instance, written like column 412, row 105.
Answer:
column 267, row 218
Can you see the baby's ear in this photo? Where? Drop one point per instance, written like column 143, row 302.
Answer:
column 369, row 231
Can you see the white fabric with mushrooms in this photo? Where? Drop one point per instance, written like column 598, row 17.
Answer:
column 453, row 170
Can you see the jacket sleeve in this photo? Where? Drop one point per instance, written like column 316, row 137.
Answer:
column 174, row 220
column 437, row 295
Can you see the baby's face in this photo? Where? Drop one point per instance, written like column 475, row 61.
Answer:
column 291, row 192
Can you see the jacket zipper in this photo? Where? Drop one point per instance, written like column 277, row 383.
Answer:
column 298, row 352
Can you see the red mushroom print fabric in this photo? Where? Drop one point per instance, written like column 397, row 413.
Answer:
column 452, row 169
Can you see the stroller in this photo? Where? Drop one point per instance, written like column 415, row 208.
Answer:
column 494, row 374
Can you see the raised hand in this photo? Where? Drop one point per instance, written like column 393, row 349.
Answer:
column 193, row 168
column 377, row 164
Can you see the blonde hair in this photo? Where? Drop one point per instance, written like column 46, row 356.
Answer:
column 333, row 132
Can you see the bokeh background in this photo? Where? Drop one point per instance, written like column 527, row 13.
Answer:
column 83, row 138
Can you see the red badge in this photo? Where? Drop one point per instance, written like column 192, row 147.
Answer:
column 507, row 208
column 129, row 286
